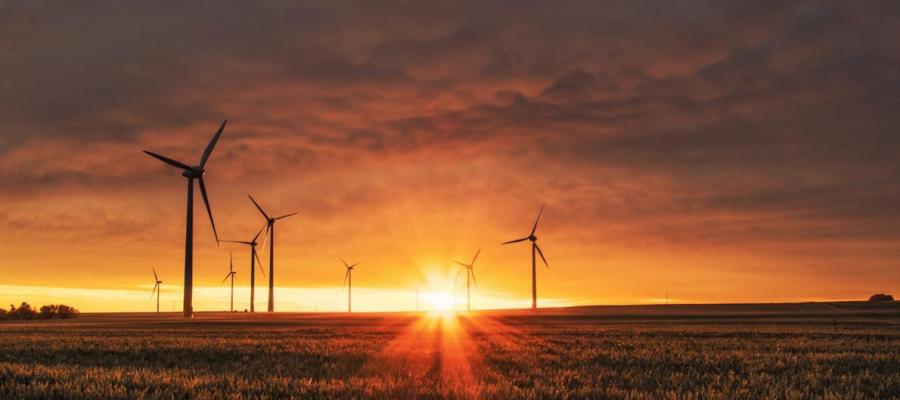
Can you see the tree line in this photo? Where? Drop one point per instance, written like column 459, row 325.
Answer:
column 26, row 311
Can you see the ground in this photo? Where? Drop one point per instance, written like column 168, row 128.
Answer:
column 815, row 350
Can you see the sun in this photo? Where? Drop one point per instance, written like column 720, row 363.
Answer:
column 439, row 301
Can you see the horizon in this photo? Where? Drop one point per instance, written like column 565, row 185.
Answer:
column 366, row 300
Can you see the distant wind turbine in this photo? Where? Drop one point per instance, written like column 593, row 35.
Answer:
column 470, row 272
column 348, row 281
column 157, row 289
column 254, row 257
column 230, row 274
column 534, row 247
column 192, row 173
column 270, row 230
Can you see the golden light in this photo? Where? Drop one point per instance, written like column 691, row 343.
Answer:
column 438, row 301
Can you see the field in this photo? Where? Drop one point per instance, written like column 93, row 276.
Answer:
column 815, row 350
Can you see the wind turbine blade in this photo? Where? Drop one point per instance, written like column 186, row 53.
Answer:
column 168, row 160
column 154, row 290
column 211, row 145
column 258, row 207
column 236, row 241
column 473, row 278
column 346, row 275
column 265, row 236
column 285, row 216
column 226, row 278
column 230, row 262
column 258, row 262
column 457, row 274
column 355, row 264
column 464, row 265
column 515, row 241
column 542, row 254
column 345, row 263
column 155, row 277
column 476, row 257
column 258, row 233
column 536, row 220
column 208, row 210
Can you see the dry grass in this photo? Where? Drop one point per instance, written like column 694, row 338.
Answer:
column 587, row 353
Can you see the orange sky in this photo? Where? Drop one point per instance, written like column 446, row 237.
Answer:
column 727, row 153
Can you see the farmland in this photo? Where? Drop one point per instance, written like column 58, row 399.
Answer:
column 820, row 350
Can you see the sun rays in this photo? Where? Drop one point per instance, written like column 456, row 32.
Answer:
column 434, row 353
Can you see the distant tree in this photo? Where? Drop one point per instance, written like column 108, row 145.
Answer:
column 24, row 311
column 66, row 312
column 48, row 312
column 881, row 297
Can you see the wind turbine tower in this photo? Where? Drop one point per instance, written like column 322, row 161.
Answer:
column 270, row 231
column 230, row 274
column 348, row 281
column 254, row 258
column 534, row 248
column 470, row 274
column 157, row 289
column 193, row 173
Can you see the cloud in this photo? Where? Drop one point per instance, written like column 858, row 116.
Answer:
column 679, row 125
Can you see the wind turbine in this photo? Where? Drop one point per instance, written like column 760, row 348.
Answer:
column 534, row 247
column 157, row 289
column 348, row 281
column 270, row 230
column 254, row 257
column 192, row 173
column 470, row 272
column 231, row 273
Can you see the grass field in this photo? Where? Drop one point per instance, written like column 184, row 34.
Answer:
column 816, row 350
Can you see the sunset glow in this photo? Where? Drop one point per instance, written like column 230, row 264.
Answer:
column 715, row 168
column 439, row 301
column 450, row 199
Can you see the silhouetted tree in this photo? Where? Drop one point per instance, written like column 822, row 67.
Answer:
column 66, row 312
column 48, row 312
column 881, row 297
column 24, row 311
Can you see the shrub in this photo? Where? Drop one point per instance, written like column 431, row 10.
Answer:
column 25, row 311
column 66, row 312
column 881, row 297
column 48, row 312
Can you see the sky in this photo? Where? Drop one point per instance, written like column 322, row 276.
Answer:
column 710, row 152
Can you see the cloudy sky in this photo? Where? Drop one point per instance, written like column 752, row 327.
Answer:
column 717, row 151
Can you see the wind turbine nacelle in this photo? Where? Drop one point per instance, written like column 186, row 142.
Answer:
column 194, row 172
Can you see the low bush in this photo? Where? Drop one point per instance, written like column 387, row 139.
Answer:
column 53, row 311
column 880, row 297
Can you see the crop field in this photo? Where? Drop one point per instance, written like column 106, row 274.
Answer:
column 816, row 350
